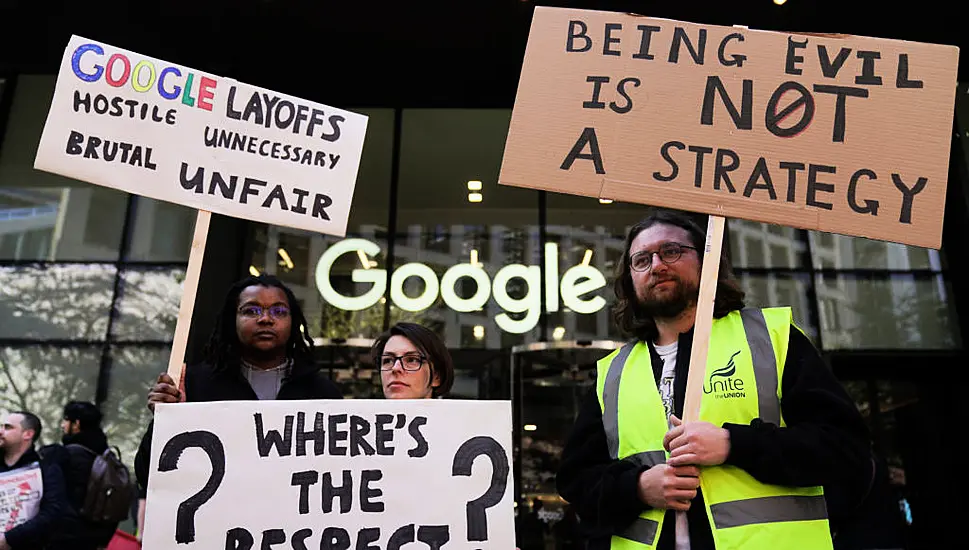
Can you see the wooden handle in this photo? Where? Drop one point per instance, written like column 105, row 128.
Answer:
column 189, row 291
column 704, row 317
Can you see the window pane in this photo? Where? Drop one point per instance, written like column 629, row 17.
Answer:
column 755, row 244
column 294, row 255
column 781, row 289
column 149, row 304
column 42, row 379
column 56, row 302
column 44, row 216
column 587, row 232
column 451, row 210
column 897, row 312
column 842, row 252
column 126, row 415
column 162, row 232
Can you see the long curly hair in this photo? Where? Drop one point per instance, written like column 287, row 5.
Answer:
column 627, row 311
column 224, row 350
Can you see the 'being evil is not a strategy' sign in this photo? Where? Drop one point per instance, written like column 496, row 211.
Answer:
column 334, row 475
column 843, row 134
column 152, row 128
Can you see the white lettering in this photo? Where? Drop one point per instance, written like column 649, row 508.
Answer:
column 551, row 277
column 425, row 299
column 572, row 290
column 530, row 303
column 376, row 276
column 579, row 280
column 481, row 294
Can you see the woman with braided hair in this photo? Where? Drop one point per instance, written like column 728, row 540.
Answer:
column 260, row 348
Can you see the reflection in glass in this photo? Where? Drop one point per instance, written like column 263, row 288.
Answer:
column 126, row 415
column 60, row 223
column 755, row 244
column 781, row 290
column 449, row 159
column 56, row 301
column 843, row 252
column 162, row 231
column 42, row 379
column 294, row 256
column 889, row 312
column 148, row 308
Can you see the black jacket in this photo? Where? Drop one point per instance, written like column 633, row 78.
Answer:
column 34, row 534
column 204, row 383
column 76, row 458
column 826, row 442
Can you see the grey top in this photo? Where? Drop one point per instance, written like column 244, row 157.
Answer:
column 265, row 382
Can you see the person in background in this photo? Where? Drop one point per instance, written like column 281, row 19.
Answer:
column 260, row 348
column 414, row 363
column 82, row 441
column 18, row 434
column 781, row 446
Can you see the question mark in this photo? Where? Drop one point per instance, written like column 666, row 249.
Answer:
column 168, row 461
column 463, row 459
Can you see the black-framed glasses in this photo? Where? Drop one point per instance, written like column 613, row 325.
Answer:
column 256, row 312
column 668, row 253
column 409, row 361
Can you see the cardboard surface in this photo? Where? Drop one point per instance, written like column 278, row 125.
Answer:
column 331, row 474
column 157, row 129
column 861, row 126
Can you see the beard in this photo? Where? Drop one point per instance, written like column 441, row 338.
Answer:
column 672, row 302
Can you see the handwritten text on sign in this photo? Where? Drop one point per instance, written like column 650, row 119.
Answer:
column 152, row 128
column 333, row 475
column 843, row 134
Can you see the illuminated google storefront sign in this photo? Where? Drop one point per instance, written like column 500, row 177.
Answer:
column 571, row 287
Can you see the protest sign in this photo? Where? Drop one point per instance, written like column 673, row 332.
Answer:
column 157, row 129
column 377, row 474
column 153, row 128
column 20, row 493
column 843, row 134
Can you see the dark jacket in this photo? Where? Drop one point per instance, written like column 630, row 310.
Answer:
column 76, row 458
column 826, row 442
column 34, row 534
column 203, row 383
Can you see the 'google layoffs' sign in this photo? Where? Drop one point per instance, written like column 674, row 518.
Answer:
column 571, row 287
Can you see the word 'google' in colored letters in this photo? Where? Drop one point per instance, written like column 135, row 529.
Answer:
column 143, row 76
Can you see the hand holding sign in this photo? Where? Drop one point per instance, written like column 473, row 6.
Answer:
column 330, row 474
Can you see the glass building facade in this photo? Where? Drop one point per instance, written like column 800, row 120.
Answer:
column 518, row 283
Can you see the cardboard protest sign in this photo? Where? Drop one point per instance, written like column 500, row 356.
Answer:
column 842, row 134
column 331, row 474
column 20, row 493
column 157, row 129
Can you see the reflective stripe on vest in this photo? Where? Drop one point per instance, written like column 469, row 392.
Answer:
column 765, row 371
column 735, row 501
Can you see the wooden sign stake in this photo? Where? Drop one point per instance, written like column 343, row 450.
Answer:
column 704, row 317
column 189, row 291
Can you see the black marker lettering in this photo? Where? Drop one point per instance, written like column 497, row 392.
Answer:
column 588, row 137
column 664, row 151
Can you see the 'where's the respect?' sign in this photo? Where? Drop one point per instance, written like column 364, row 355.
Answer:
column 153, row 128
column 333, row 475
column 843, row 134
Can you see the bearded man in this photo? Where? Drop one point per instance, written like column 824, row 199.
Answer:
column 779, row 452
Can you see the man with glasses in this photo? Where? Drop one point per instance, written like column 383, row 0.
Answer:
column 779, row 448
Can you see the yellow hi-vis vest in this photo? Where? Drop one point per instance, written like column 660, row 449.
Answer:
column 745, row 365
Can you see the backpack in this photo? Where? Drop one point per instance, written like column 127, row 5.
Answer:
column 110, row 490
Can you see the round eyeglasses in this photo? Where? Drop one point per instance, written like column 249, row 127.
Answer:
column 669, row 253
